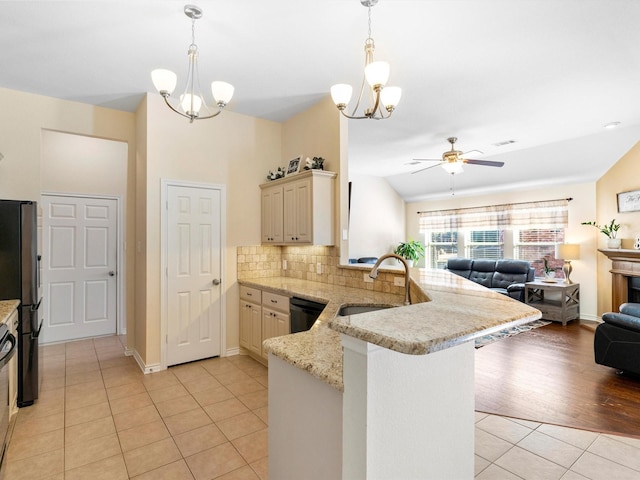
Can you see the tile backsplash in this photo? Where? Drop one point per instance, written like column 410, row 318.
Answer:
column 263, row 261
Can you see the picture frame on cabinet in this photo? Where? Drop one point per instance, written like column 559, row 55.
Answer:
column 629, row 201
column 294, row 165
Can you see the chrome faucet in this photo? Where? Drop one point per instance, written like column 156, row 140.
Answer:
column 374, row 273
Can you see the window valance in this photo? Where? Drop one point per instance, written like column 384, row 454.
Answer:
column 542, row 214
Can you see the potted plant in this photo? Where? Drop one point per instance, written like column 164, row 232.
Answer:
column 549, row 273
column 610, row 231
column 411, row 251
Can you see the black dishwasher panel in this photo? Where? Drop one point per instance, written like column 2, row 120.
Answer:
column 304, row 313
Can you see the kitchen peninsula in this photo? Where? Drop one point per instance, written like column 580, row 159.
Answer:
column 399, row 403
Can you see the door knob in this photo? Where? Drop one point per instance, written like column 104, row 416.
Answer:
column 216, row 281
column 112, row 273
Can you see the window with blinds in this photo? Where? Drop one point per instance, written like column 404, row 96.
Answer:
column 487, row 244
column 528, row 231
column 535, row 244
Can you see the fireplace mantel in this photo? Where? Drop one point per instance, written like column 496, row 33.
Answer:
column 625, row 264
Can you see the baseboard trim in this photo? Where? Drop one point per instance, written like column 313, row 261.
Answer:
column 146, row 369
column 232, row 351
column 129, row 352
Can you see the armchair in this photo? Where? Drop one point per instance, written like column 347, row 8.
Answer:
column 616, row 342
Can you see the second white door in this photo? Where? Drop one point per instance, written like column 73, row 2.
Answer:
column 79, row 267
column 194, row 300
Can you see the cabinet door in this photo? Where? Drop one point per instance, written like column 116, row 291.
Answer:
column 282, row 324
column 256, row 330
column 274, row 324
column 297, row 212
column 250, row 327
column 272, row 215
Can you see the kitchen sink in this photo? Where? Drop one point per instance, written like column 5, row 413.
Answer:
column 346, row 310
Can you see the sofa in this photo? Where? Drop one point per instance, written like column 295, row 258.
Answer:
column 616, row 342
column 504, row 276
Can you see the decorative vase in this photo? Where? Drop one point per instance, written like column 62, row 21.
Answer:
column 636, row 245
column 614, row 243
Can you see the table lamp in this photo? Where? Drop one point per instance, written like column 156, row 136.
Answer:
column 567, row 252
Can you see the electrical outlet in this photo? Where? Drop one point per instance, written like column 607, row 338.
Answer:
column 284, row 264
column 367, row 278
column 398, row 281
column 318, row 268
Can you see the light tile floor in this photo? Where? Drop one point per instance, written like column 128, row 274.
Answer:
column 100, row 418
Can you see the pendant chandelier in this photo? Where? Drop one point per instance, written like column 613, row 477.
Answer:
column 191, row 101
column 381, row 100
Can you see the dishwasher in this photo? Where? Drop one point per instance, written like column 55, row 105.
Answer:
column 304, row 313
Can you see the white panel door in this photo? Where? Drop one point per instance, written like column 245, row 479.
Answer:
column 79, row 251
column 194, row 303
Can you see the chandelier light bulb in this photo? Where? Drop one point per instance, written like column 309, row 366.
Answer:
column 377, row 73
column 222, row 92
column 190, row 104
column 390, row 97
column 341, row 94
column 164, row 80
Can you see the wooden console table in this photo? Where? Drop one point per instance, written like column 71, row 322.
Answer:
column 561, row 304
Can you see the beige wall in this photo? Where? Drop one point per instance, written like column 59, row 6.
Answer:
column 377, row 219
column 231, row 150
column 24, row 116
column 581, row 208
column 622, row 177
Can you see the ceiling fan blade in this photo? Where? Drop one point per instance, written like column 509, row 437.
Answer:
column 426, row 159
column 427, row 168
column 487, row 163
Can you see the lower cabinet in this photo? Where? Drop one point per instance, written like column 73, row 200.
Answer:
column 263, row 315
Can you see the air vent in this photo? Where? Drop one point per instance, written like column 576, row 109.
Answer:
column 502, row 144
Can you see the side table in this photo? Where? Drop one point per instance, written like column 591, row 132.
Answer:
column 561, row 302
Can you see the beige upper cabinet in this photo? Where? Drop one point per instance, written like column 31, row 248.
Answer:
column 299, row 210
column 272, row 214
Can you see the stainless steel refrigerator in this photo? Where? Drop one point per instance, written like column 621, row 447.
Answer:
column 19, row 270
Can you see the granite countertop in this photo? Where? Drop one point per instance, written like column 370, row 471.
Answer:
column 453, row 310
column 6, row 309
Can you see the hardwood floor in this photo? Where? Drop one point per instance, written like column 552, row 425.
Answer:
column 549, row 375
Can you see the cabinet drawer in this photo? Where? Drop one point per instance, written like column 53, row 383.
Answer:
column 275, row 301
column 250, row 294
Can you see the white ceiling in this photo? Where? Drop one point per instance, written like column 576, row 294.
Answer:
column 546, row 73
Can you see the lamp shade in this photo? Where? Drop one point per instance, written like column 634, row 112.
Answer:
column 164, row 80
column 390, row 96
column 453, row 167
column 568, row 251
column 341, row 93
column 190, row 104
column 377, row 73
column 222, row 92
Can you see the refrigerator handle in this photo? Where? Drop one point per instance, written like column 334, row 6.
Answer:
column 36, row 306
column 35, row 335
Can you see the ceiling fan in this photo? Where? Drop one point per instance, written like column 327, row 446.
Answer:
column 453, row 160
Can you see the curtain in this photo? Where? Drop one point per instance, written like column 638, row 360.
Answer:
column 543, row 214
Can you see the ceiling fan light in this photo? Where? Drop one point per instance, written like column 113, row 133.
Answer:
column 222, row 92
column 454, row 168
column 341, row 94
column 390, row 96
column 190, row 104
column 164, row 80
column 377, row 73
